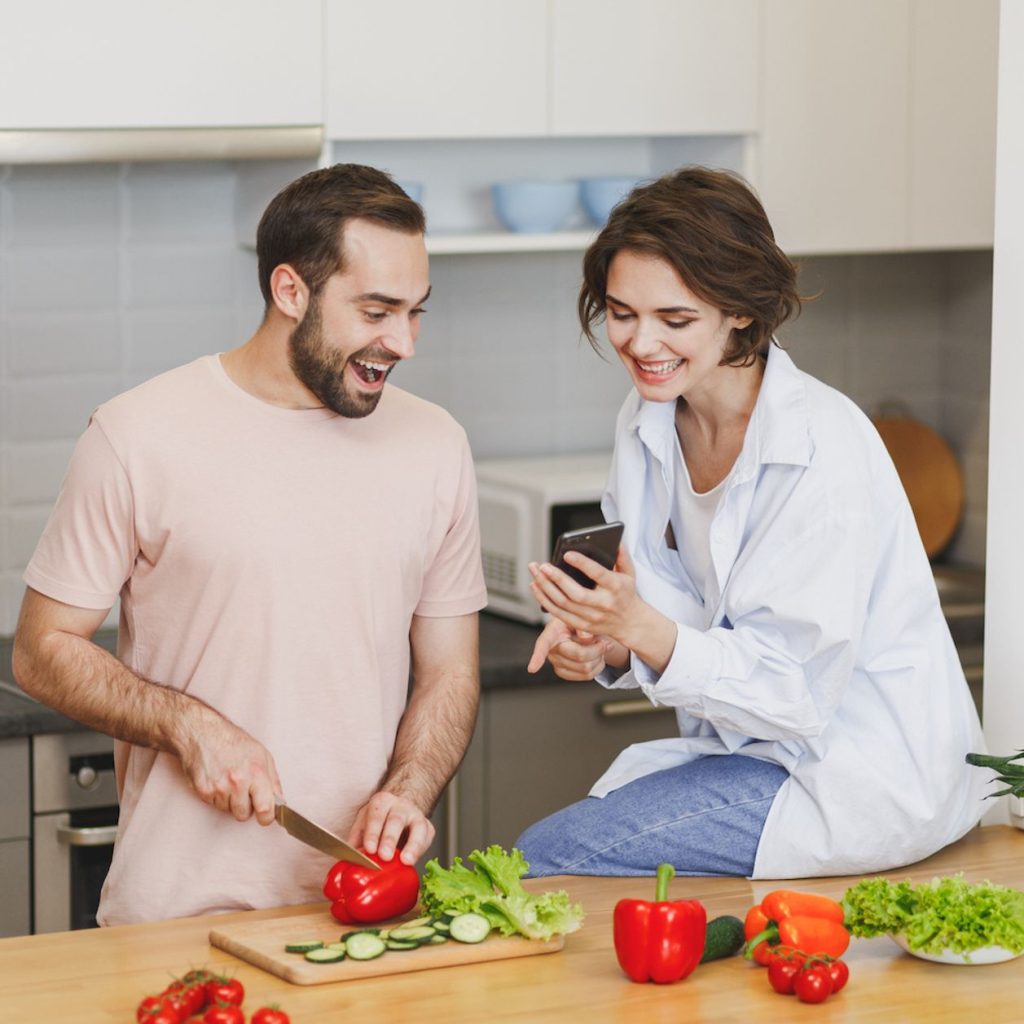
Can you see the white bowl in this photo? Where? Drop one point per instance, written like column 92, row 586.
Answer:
column 982, row 955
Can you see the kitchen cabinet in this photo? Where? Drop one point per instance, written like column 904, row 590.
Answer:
column 877, row 125
column 539, row 748
column 646, row 67
column 447, row 69
column 459, row 69
column 15, row 884
column 953, row 123
column 188, row 64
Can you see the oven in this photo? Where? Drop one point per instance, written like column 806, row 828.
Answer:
column 74, row 822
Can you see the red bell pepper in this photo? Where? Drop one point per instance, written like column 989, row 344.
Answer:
column 661, row 941
column 360, row 895
column 802, row 921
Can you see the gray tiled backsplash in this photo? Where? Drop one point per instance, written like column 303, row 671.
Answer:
column 110, row 274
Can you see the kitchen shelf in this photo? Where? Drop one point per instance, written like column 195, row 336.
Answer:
column 508, row 241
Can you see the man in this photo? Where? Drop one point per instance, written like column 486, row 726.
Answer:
column 289, row 536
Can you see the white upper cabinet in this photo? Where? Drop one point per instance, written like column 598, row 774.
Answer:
column 439, row 69
column 647, row 67
column 953, row 123
column 834, row 154
column 160, row 64
column 878, row 123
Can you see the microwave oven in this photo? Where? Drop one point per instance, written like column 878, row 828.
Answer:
column 525, row 503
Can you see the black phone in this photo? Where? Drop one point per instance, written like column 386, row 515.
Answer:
column 601, row 543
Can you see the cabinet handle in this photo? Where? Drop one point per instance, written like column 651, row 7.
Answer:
column 624, row 708
column 102, row 835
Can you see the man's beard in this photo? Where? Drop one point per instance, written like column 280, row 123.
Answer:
column 323, row 370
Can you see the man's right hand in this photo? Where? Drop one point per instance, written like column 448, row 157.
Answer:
column 229, row 769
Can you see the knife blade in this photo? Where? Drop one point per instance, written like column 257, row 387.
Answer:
column 312, row 834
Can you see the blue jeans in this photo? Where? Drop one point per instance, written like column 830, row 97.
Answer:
column 704, row 818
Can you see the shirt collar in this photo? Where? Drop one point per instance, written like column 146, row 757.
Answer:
column 779, row 429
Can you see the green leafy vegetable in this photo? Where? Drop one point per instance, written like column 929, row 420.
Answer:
column 1008, row 771
column 492, row 887
column 947, row 914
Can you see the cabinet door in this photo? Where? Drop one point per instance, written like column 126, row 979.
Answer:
column 190, row 63
column 646, row 67
column 445, row 69
column 14, row 770
column 545, row 746
column 953, row 123
column 14, row 888
column 834, row 153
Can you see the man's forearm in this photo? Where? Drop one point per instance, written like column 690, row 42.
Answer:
column 86, row 683
column 432, row 737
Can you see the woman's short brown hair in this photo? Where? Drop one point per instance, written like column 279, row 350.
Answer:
column 712, row 229
column 304, row 224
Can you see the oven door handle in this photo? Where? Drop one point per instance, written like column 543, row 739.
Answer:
column 102, row 835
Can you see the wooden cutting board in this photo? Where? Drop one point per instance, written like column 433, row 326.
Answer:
column 261, row 943
column 930, row 475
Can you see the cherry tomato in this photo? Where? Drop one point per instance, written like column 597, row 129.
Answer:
column 781, row 974
column 147, row 1008
column 194, row 997
column 224, row 990
column 163, row 1015
column 813, row 984
column 839, row 973
column 270, row 1015
column 177, row 1002
column 224, row 1014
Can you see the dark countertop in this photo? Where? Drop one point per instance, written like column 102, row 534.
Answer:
column 505, row 648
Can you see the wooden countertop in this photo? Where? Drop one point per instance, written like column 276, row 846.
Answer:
column 100, row 976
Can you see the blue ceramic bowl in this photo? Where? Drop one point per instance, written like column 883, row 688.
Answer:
column 599, row 195
column 534, row 205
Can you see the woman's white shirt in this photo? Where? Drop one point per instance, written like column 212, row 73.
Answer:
column 823, row 647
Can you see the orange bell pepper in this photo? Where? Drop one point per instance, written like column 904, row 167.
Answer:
column 791, row 920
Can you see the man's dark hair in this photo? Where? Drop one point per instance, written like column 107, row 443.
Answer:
column 710, row 227
column 304, row 225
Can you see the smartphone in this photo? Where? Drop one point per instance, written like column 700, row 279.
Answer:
column 601, row 543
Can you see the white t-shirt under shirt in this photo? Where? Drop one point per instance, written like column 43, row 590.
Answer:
column 269, row 561
column 691, row 517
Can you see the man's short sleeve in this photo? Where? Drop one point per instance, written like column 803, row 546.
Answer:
column 454, row 582
column 88, row 548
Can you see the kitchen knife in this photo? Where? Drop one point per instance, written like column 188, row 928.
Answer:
column 319, row 838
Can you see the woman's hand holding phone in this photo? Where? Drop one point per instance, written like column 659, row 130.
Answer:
column 612, row 613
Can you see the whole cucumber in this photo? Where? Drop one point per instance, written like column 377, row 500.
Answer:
column 724, row 938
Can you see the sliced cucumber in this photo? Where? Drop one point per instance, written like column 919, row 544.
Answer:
column 335, row 945
column 440, row 926
column 416, row 922
column 399, row 945
column 304, row 946
column 364, row 946
column 325, row 955
column 436, row 940
column 470, row 928
column 419, row 934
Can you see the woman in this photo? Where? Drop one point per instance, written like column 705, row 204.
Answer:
column 771, row 586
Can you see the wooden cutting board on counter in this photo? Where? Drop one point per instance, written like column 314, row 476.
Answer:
column 261, row 943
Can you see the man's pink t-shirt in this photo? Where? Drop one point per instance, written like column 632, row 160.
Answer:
column 269, row 561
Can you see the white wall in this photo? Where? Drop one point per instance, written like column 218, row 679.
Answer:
column 1004, row 653
column 110, row 274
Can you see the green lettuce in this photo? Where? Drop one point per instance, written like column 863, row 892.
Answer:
column 948, row 913
column 493, row 887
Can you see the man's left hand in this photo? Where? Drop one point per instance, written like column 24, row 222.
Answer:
column 381, row 822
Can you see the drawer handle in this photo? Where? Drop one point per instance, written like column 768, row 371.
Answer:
column 102, row 835
column 624, row 708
